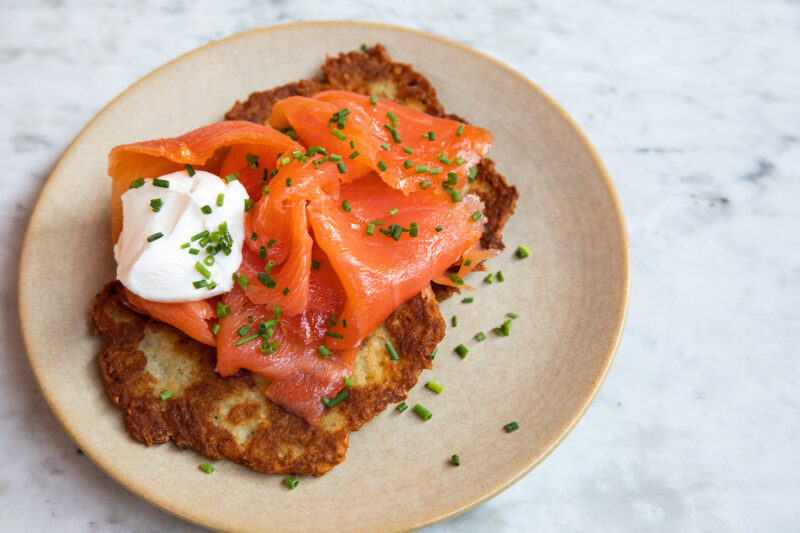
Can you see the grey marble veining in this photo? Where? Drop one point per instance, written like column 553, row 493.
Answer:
column 695, row 108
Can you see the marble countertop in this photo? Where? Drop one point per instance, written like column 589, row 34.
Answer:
column 695, row 108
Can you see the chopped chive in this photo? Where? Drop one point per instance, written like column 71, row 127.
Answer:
column 408, row 150
column 346, row 206
column 220, row 199
column 477, row 216
column 231, row 177
column 378, row 222
column 434, row 352
column 468, row 300
column 431, row 136
column 324, row 351
column 189, row 169
column 266, row 280
column 254, row 236
column 489, row 278
column 393, row 211
column 252, row 161
column 455, row 196
column 373, row 100
column 424, row 184
column 452, row 178
column 443, row 159
column 248, row 204
column 199, row 284
column 421, row 169
column 265, row 190
column 435, row 387
column 468, row 262
column 223, row 310
column 156, row 204
column 382, row 166
column 402, row 406
column 511, row 427
column 395, row 136
column 455, row 459
column 215, row 329
column 393, row 118
column 354, row 154
column 334, row 335
column 348, row 382
column 338, row 134
column 285, row 291
column 262, row 252
column 269, row 266
column 245, row 340
column 438, row 229
column 285, row 161
column 296, row 154
column 155, row 237
column 135, row 184
column 335, row 158
column 341, row 167
column 523, row 252
column 392, row 351
column 434, row 171
column 332, row 320
column 291, row 482
column 203, row 270
column 385, row 146
column 276, row 310
column 158, row 182
column 207, row 468
column 413, row 229
column 270, row 243
column 370, row 229
column 460, row 160
column 473, row 172
column 244, row 330
column 480, row 336
column 315, row 265
column 456, row 279
column 397, row 232
column 288, row 182
column 206, row 209
column 455, row 321
column 422, row 412
column 512, row 315
column 460, row 130
column 165, row 395
column 209, row 260
column 333, row 401
column 185, row 245
column 243, row 282
column 407, row 163
column 500, row 276
column 462, row 350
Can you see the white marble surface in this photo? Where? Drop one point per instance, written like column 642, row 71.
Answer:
column 695, row 108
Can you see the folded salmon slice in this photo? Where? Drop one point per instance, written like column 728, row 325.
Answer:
column 190, row 317
column 437, row 144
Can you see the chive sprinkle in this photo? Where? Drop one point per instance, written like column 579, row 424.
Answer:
column 207, row 468
column 393, row 211
column 266, row 280
column 456, row 279
column 341, row 167
column 382, row 166
column 165, row 395
column 135, row 184
column 185, row 245
column 348, row 382
column 392, row 351
column 373, row 100
column 291, row 482
column 435, row 387
column 460, row 130
column 335, row 158
column 460, row 160
column 269, row 266
column 315, row 265
column 434, row 171
column 385, row 146
column 215, row 329
column 443, row 159
column 473, row 172
column 395, row 135
column 285, row 291
column 244, row 330
column 500, row 276
column 252, row 161
column 332, row 320
column 199, row 284
column 246, row 339
column 480, row 336
column 462, row 350
column 231, row 177
column 354, row 154
column 158, row 182
column 223, row 310
column 346, row 206
column 455, row 196
column 288, row 182
column 489, row 279
column 338, row 134
column 431, row 136
column 512, row 315
column 334, row 335
column 407, row 163
column 248, row 204
column 511, row 427
column 220, row 199
column 285, row 161
column 155, row 237
column 477, row 215
column 203, row 270
column 452, row 178
column 276, row 310
column 156, row 204
column 523, row 252
column 422, row 412
column 421, row 169
column 424, row 184
column 189, row 169
column 209, row 260
column 455, row 321
column 370, row 229
column 243, row 282
column 408, row 149
column 438, row 229
column 468, row 300
column 206, row 209
column 262, row 252
column 413, row 229
column 333, row 401
column 434, row 352
column 270, row 243
column 455, row 459
column 402, row 406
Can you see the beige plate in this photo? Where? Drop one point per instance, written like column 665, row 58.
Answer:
column 571, row 297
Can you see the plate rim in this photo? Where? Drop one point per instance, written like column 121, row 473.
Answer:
column 619, row 320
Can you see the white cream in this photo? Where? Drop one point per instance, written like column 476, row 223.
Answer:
column 161, row 270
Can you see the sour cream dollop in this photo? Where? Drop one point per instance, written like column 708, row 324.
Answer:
column 165, row 269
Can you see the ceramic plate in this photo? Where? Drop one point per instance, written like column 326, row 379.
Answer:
column 570, row 295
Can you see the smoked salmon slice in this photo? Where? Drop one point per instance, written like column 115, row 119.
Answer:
column 190, row 317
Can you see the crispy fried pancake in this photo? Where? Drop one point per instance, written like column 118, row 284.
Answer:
column 231, row 417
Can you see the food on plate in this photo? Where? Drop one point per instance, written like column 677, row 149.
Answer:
column 302, row 316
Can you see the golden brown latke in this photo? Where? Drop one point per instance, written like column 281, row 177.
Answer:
column 374, row 73
column 231, row 417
